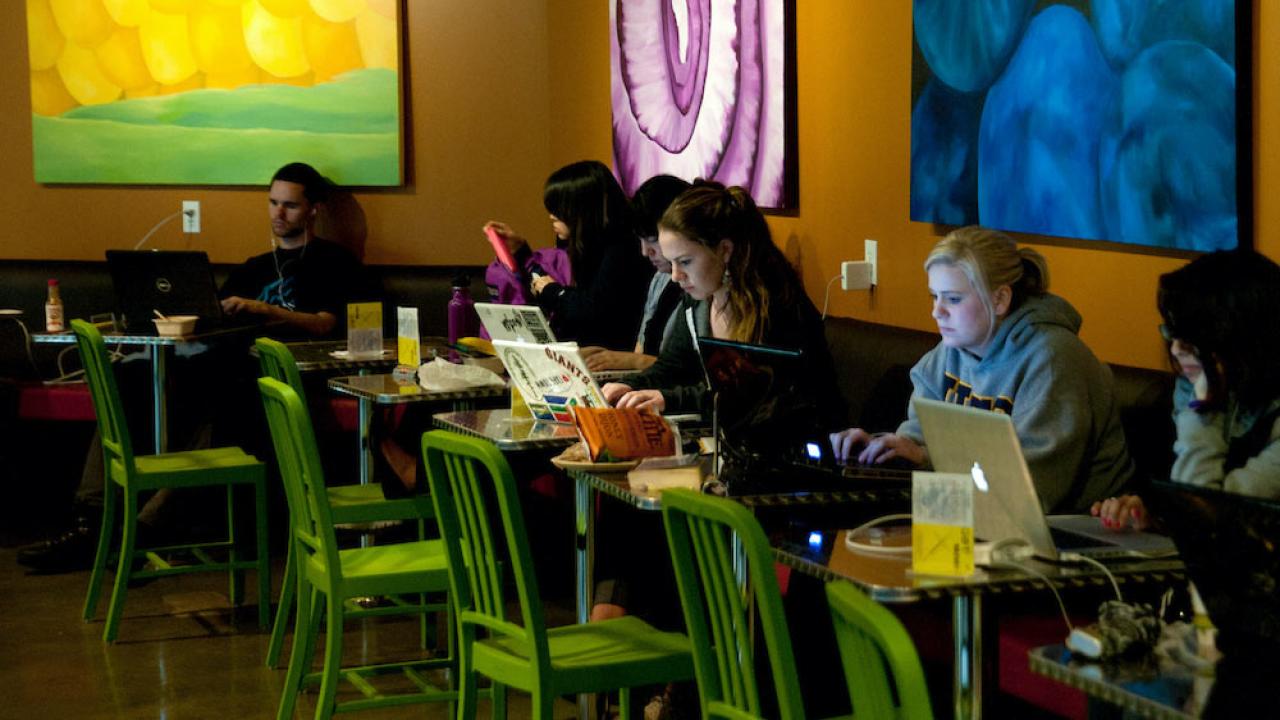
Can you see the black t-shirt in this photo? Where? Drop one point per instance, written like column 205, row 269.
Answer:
column 321, row 276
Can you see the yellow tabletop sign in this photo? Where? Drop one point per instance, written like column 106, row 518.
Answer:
column 364, row 330
column 941, row 524
column 408, row 345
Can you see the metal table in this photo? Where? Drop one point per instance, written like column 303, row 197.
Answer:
column 155, row 348
column 887, row 578
column 388, row 389
column 497, row 426
column 1138, row 685
column 329, row 355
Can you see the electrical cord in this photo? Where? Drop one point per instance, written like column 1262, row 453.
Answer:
column 1077, row 557
column 826, row 297
column 1014, row 565
column 853, row 544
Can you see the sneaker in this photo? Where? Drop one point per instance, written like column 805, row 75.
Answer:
column 70, row 551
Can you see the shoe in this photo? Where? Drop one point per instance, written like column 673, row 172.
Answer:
column 70, row 551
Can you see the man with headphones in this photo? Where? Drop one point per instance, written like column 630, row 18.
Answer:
column 305, row 282
column 302, row 286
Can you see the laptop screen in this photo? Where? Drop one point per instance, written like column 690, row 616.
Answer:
column 1231, row 546
column 759, row 408
column 173, row 282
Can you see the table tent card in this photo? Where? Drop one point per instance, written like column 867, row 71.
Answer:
column 364, row 330
column 408, row 345
column 942, row 524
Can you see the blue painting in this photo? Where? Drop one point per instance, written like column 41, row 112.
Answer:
column 1104, row 120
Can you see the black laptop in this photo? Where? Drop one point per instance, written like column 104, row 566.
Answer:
column 175, row 282
column 767, row 429
column 1231, row 546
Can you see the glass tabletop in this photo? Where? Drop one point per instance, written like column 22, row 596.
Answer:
column 506, row 432
column 886, row 576
column 1142, row 684
column 389, row 389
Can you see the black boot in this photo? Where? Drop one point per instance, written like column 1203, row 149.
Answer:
column 73, row 549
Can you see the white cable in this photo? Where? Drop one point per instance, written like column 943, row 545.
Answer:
column 827, row 296
column 1077, row 557
column 1009, row 564
column 153, row 230
column 851, row 543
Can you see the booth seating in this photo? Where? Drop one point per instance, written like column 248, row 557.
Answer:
column 873, row 364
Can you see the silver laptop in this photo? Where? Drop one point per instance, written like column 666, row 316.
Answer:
column 958, row 437
column 521, row 323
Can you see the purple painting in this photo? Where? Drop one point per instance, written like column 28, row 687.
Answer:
column 699, row 90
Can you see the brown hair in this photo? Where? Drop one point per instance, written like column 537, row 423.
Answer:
column 759, row 276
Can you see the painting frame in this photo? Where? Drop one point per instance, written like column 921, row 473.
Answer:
column 219, row 96
column 1159, row 216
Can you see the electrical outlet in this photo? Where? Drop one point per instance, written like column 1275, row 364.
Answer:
column 190, row 216
column 871, row 254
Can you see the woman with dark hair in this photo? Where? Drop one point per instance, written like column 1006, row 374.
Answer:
column 603, row 302
column 651, row 200
column 1219, row 314
column 739, row 286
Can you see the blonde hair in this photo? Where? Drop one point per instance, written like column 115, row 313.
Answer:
column 991, row 259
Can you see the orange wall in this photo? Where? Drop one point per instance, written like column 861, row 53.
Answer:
column 853, row 73
column 499, row 93
column 476, row 148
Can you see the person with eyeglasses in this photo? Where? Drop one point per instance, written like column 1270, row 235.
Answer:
column 650, row 201
column 1219, row 314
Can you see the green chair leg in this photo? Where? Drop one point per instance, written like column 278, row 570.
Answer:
column 283, row 610
column 124, row 566
column 264, row 554
column 100, row 556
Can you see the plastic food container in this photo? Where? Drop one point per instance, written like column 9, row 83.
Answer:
column 176, row 325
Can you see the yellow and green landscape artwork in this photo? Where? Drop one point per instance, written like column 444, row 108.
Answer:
column 214, row 92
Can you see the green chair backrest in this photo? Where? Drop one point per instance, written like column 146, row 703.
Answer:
column 700, row 532
column 881, row 666
column 117, row 446
column 463, row 473
column 278, row 362
column 295, row 444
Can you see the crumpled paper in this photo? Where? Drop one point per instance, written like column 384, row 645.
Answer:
column 440, row 375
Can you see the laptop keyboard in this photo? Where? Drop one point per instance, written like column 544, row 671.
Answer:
column 1067, row 540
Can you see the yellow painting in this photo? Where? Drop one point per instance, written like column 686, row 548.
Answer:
column 214, row 91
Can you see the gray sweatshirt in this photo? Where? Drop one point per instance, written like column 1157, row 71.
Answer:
column 1204, row 446
column 1060, row 397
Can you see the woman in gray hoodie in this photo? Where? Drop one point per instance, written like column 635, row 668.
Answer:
column 1010, row 346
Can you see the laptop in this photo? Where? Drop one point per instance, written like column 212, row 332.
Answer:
column 767, row 429
column 958, row 437
column 1231, row 546
column 175, row 282
column 552, row 378
column 521, row 323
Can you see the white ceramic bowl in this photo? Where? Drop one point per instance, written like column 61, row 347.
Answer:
column 176, row 325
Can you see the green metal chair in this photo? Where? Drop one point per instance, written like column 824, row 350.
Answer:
column 881, row 666
column 348, row 504
column 332, row 576
column 127, row 475
column 701, row 532
column 464, row 473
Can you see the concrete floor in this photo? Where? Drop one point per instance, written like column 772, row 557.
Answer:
column 182, row 653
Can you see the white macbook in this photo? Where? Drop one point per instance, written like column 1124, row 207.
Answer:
column 552, row 378
column 959, row 437
column 521, row 323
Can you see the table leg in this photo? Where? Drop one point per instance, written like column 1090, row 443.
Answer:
column 159, row 407
column 966, row 620
column 364, row 409
column 584, row 528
